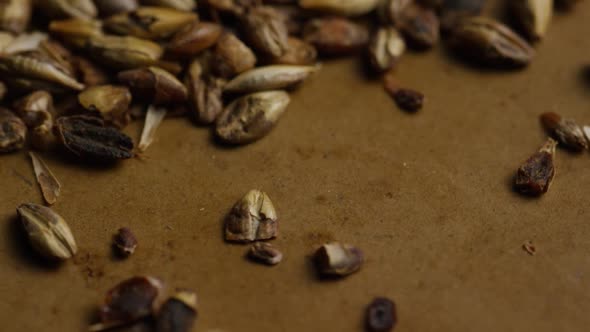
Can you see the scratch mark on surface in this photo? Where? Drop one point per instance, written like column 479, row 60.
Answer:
column 22, row 177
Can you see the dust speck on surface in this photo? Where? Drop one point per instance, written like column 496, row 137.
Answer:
column 321, row 199
column 90, row 268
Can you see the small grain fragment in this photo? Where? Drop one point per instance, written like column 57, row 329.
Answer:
column 50, row 187
column 265, row 253
column 381, row 315
column 530, row 248
column 406, row 99
column 178, row 313
column 535, row 175
column 338, row 260
column 125, row 242
column 252, row 218
column 566, row 131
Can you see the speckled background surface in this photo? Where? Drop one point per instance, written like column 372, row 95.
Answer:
column 427, row 196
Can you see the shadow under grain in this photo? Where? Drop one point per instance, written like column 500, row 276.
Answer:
column 584, row 77
column 20, row 247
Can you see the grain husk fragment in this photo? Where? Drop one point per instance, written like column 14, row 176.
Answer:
column 533, row 16
column 251, row 117
column 13, row 132
column 153, row 118
column 269, row 78
column 252, row 218
column 50, row 186
column 566, row 131
column 338, row 260
column 178, row 313
column 48, row 232
column 265, row 253
column 535, row 175
column 340, row 7
column 149, row 22
column 488, row 42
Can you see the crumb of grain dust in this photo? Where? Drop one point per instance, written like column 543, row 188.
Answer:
column 530, row 248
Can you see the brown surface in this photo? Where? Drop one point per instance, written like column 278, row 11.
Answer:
column 427, row 196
